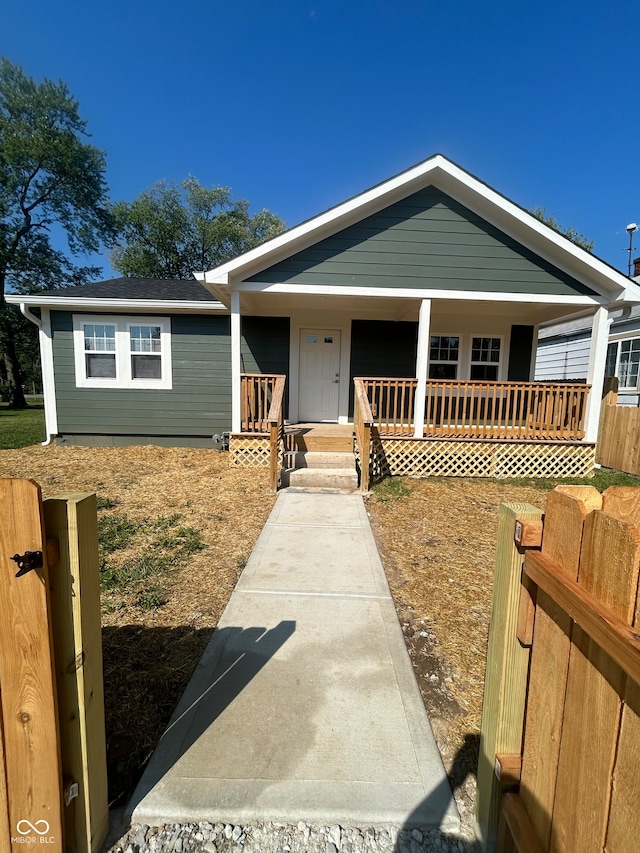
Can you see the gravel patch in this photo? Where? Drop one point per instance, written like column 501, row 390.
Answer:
column 283, row 838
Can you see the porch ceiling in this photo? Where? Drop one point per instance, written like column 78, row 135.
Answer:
column 401, row 308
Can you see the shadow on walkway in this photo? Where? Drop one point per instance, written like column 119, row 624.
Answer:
column 415, row 837
column 232, row 659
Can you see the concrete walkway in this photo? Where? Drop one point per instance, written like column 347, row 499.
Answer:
column 304, row 706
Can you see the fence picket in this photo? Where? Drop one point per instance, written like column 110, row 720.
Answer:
column 567, row 509
column 609, row 568
column 75, row 611
column 506, row 676
column 5, row 832
column 27, row 676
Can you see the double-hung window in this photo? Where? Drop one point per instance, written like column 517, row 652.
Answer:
column 623, row 361
column 122, row 352
column 444, row 354
column 485, row 359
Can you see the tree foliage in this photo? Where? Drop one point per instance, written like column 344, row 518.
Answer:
column 573, row 235
column 51, row 179
column 172, row 231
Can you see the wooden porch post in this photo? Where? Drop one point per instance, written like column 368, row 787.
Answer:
column 595, row 371
column 422, row 359
column 236, row 416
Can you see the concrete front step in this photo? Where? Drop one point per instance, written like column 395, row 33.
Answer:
column 320, row 459
column 322, row 478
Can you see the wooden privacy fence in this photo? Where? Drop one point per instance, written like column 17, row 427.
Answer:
column 53, row 778
column 619, row 437
column 456, row 409
column 560, row 744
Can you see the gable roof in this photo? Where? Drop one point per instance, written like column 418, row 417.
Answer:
column 125, row 292
column 477, row 196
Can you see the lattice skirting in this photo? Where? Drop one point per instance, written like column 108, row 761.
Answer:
column 249, row 451
column 407, row 457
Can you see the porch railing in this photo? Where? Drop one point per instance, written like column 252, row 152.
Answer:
column 275, row 420
column 256, row 396
column 363, row 423
column 516, row 410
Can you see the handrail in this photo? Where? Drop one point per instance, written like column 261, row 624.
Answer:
column 256, row 394
column 479, row 409
column 275, row 420
column 363, row 423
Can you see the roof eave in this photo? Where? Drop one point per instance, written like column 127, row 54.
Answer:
column 154, row 306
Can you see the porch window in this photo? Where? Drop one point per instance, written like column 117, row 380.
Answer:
column 122, row 352
column 623, row 361
column 444, row 355
column 485, row 359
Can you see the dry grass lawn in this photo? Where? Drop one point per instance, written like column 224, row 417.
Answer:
column 201, row 518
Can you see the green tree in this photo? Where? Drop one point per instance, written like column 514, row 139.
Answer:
column 50, row 178
column 571, row 233
column 172, row 231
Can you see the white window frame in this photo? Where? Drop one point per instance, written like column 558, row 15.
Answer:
column 123, row 353
column 497, row 364
column 457, row 363
column 618, row 340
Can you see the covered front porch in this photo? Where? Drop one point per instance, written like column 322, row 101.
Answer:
column 465, row 428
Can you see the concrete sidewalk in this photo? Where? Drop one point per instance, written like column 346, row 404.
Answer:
column 304, row 706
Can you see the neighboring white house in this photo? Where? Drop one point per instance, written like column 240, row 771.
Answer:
column 563, row 351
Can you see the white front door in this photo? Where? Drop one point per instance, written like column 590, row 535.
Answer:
column 319, row 375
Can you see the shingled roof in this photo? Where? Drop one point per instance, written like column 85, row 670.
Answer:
column 153, row 289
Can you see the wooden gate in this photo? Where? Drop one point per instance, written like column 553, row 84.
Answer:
column 52, row 742
column 575, row 779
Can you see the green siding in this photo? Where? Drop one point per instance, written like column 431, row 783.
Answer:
column 427, row 241
column 382, row 348
column 198, row 405
column 265, row 348
column 265, row 345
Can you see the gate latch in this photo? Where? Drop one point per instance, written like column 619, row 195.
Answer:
column 27, row 562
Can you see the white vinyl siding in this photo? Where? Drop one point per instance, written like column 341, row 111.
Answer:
column 561, row 360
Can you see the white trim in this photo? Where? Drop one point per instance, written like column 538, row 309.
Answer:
column 595, row 371
column 236, row 363
column 463, row 351
column 122, row 353
column 422, row 360
column 618, row 339
column 48, row 375
column 501, row 365
column 420, row 293
column 534, row 351
column 115, row 304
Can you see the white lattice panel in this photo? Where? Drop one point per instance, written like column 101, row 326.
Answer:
column 404, row 457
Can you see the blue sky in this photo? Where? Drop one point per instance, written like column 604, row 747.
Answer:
column 299, row 105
